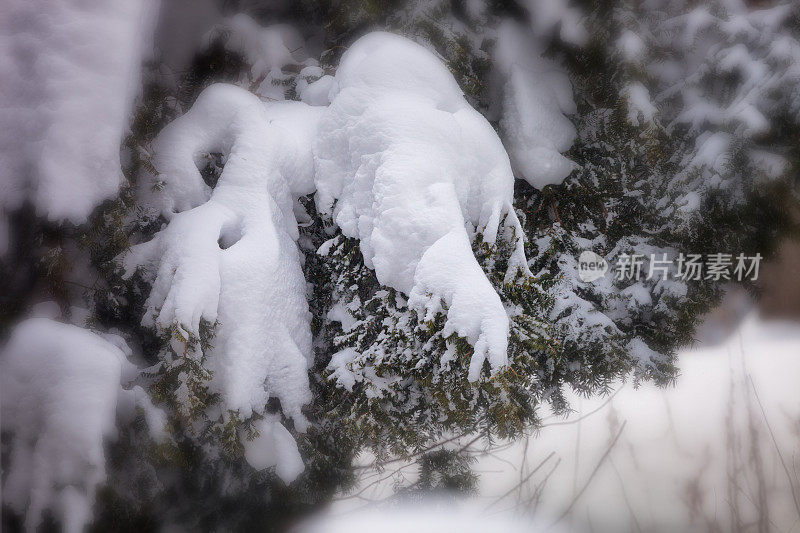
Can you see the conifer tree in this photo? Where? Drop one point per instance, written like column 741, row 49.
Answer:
column 275, row 332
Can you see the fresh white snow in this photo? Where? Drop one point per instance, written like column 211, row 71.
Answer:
column 399, row 159
column 640, row 105
column 536, row 97
column 405, row 165
column 274, row 447
column 229, row 254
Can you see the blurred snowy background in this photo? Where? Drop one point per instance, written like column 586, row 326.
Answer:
column 720, row 451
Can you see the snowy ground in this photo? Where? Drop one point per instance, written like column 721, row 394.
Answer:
column 697, row 457
column 688, row 458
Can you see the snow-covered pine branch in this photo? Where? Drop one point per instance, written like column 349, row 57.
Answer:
column 320, row 257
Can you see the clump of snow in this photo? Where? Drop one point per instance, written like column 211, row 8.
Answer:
column 713, row 152
column 404, row 164
column 640, row 106
column 536, row 97
column 229, row 254
column 59, row 391
column 69, row 73
column 274, row 447
column 631, row 46
column 317, row 92
column 314, row 86
column 644, row 355
column 689, row 202
column 339, row 368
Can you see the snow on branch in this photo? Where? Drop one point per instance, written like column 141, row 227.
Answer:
column 537, row 96
column 405, row 165
column 229, row 254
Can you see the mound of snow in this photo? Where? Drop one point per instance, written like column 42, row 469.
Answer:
column 59, row 394
column 404, row 164
column 229, row 254
column 639, row 104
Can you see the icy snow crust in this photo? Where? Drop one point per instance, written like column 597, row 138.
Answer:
column 59, row 391
column 406, row 166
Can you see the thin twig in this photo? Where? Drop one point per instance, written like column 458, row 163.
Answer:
column 777, row 449
column 587, row 415
column 591, row 476
column 522, row 482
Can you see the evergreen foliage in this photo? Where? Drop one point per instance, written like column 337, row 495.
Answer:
column 387, row 381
